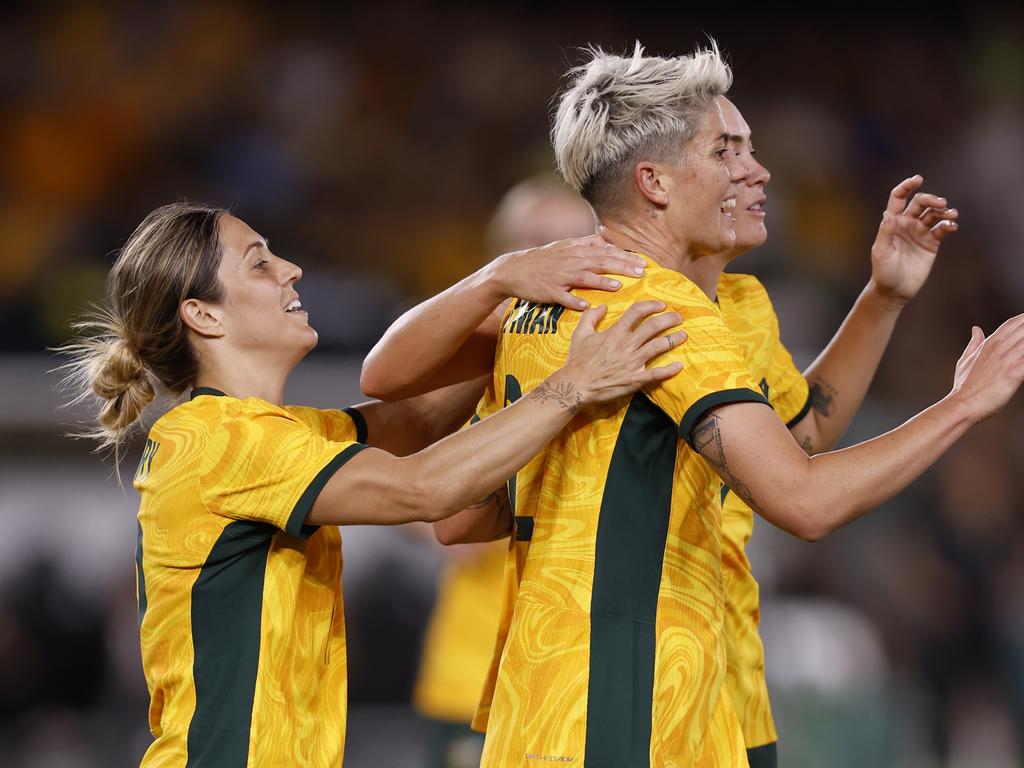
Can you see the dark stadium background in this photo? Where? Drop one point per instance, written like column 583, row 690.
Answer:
column 370, row 145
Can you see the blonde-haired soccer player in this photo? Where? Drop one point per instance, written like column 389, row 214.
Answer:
column 613, row 653
column 239, row 554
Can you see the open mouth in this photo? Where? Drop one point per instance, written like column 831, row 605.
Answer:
column 728, row 206
column 294, row 306
column 757, row 207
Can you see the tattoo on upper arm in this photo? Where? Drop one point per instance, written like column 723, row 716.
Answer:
column 564, row 394
column 823, row 397
column 708, row 442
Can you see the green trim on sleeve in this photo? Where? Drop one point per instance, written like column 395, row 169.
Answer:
column 803, row 412
column 715, row 399
column 297, row 518
column 359, row 420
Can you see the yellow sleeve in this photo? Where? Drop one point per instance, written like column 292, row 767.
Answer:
column 788, row 391
column 265, row 465
column 335, row 424
column 715, row 370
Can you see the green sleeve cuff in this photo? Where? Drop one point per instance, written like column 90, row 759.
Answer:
column 359, row 421
column 803, row 412
column 698, row 409
column 296, row 520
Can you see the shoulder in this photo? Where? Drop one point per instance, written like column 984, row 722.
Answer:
column 742, row 288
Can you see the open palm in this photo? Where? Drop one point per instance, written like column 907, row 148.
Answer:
column 908, row 239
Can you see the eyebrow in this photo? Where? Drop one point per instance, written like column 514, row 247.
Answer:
column 264, row 242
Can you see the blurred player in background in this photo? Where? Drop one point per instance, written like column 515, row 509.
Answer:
column 613, row 648
column 460, row 637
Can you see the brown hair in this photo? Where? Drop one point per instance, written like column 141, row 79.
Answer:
column 137, row 343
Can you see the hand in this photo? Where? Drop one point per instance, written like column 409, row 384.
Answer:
column 908, row 240
column 603, row 366
column 991, row 369
column 546, row 274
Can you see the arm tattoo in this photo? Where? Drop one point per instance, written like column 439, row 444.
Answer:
column 708, row 442
column 823, row 397
column 502, row 511
column 564, row 395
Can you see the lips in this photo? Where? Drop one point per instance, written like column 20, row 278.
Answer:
column 294, row 305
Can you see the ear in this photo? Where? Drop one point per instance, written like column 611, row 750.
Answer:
column 201, row 317
column 650, row 180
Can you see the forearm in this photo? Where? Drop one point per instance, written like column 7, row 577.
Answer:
column 409, row 357
column 463, row 468
column 839, row 378
column 843, row 485
column 811, row 496
column 486, row 520
column 410, row 425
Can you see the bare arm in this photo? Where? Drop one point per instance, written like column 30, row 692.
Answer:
column 376, row 487
column 811, row 496
column 406, row 426
column 451, row 337
column 485, row 520
column 902, row 256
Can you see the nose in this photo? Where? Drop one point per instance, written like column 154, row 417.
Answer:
column 758, row 174
column 738, row 168
column 291, row 273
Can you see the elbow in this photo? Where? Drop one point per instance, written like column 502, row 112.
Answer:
column 371, row 379
column 446, row 534
column 806, row 520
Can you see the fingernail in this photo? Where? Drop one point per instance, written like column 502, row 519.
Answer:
column 616, row 284
column 584, row 304
column 639, row 269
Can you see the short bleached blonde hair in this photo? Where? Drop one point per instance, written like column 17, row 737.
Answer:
column 619, row 110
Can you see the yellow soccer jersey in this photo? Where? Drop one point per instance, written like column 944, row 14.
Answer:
column 614, row 653
column 240, row 607
column 748, row 313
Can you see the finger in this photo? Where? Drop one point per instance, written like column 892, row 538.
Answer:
column 569, row 301
column 900, row 193
column 977, row 338
column 651, row 334
column 659, row 345
column 943, row 228
column 613, row 261
column 922, row 201
column 589, row 320
column 933, row 216
column 595, row 281
column 662, row 372
column 641, row 309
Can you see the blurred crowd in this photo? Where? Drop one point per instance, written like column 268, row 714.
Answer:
column 371, row 145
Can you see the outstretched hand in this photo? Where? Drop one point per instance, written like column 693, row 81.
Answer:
column 908, row 239
column 548, row 273
column 990, row 370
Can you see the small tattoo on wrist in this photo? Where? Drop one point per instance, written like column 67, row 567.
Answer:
column 563, row 394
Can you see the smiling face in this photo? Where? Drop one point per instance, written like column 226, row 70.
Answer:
column 750, row 191
column 260, row 311
column 702, row 188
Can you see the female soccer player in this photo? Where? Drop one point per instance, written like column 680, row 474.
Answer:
column 239, row 557
column 614, row 647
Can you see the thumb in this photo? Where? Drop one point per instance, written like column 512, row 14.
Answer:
column 590, row 318
column 977, row 338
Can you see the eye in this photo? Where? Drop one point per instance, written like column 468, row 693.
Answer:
column 260, row 264
column 720, row 154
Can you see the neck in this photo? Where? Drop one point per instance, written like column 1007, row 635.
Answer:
column 244, row 378
column 668, row 251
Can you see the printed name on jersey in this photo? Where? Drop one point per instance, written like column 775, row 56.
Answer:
column 529, row 317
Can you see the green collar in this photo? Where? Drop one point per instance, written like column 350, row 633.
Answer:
column 206, row 391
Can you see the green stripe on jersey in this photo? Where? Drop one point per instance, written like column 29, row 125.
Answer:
column 227, row 602
column 630, row 549
column 140, row 584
